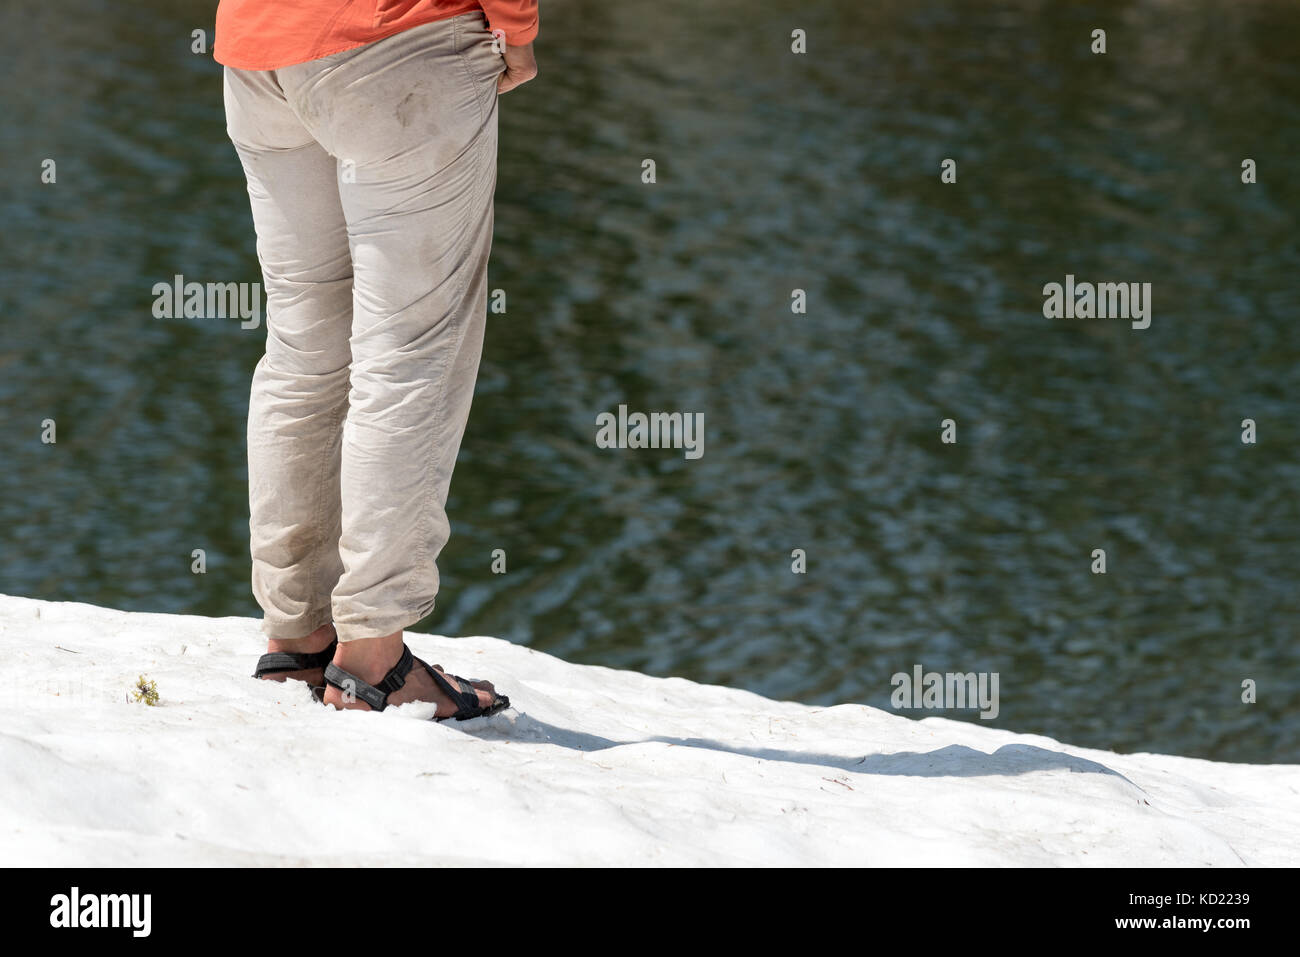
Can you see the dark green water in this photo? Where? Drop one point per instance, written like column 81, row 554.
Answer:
column 775, row 171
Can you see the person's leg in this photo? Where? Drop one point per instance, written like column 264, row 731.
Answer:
column 412, row 122
column 300, row 386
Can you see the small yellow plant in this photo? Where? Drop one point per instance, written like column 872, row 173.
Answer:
column 146, row 691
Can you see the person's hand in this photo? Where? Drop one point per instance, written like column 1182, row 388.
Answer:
column 521, row 66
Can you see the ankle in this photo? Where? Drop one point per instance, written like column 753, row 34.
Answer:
column 318, row 640
column 370, row 659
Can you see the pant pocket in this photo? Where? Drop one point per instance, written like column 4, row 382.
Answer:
column 482, row 54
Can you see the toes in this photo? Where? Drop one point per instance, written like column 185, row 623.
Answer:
column 486, row 692
column 479, row 685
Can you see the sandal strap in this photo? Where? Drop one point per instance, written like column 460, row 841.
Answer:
column 276, row 661
column 374, row 695
column 465, row 696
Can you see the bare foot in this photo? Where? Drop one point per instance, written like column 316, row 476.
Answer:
column 370, row 659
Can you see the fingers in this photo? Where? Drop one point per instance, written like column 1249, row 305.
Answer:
column 511, row 79
column 521, row 66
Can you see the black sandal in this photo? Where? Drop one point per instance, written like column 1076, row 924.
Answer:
column 377, row 695
column 284, row 664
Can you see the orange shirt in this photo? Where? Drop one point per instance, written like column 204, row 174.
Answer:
column 269, row 34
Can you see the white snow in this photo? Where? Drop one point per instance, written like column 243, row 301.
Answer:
column 591, row 766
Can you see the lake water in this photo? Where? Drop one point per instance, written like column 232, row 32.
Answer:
column 822, row 431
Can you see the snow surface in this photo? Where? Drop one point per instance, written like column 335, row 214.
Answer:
column 591, row 766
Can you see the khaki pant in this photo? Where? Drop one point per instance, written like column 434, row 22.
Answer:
column 371, row 174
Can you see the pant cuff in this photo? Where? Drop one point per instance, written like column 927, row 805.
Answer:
column 375, row 627
column 287, row 629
